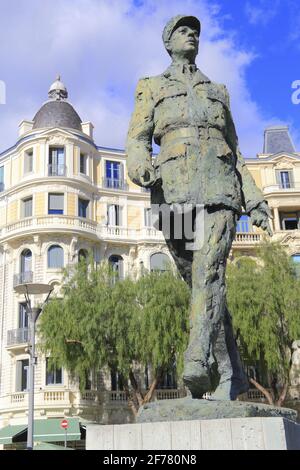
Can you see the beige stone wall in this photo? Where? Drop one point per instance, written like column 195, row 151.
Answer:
column 12, row 213
column 40, row 204
column 71, row 204
column 101, row 212
column 76, row 159
column 2, row 215
column 134, row 217
column 16, row 170
column 97, row 170
column 37, row 158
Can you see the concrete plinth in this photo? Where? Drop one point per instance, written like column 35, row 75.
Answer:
column 213, row 434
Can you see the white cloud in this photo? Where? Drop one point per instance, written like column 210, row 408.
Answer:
column 262, row 14
column 101, row 48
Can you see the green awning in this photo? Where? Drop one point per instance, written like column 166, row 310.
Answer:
column 48, row 446
column 9, row 432
column 45, row 430
column 49, row 430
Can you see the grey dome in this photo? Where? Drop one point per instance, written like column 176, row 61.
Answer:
column 57, row 112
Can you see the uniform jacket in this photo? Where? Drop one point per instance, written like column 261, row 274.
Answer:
column 206, row 168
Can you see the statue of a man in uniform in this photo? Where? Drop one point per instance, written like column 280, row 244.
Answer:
column 199, row 162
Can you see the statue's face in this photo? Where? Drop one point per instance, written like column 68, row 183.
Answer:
column 184, row 41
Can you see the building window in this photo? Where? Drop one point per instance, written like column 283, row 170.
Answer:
column 1, row 178
column 56, row 165
column 114, row 175
column 159, row 262
column 244, row 224
column 116, row 262
column 296, row 261
column 83, row 205
column 114, row 215
column 82, row 255
column 27, row 207
column 23, row 316
column 289, row 221
column 55, row 257
column 285, row 179
column 55, row 204
column 148, row 217
column 169, row 380
column 22, row 375
column 53, row 376
column 117, row 381
column 83, row 164
column 26, row 261
column 28, row 161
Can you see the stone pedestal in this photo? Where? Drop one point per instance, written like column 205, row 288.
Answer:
column 213, row 434
column 187, row 424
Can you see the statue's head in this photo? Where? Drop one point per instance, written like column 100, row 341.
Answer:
column 181, row 36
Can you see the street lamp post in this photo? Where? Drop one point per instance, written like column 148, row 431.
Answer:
column 33, row 314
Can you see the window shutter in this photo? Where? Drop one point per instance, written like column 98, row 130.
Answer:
column 27, row 207
column 97, row 254
column 56, row 202
column 291, row 178
column 18, row 376
column 55, row 257
column 111, row 214
column 121, row 172
column 120, row 215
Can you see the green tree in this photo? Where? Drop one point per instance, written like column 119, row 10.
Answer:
column 100, row 323
column 264, row 299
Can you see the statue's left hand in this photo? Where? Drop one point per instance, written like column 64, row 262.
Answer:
column 260, row 217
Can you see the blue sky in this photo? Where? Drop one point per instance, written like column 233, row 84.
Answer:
column 102, row 47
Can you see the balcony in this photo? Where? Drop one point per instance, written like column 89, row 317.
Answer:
column 112, row 183
column 23, row 278
column 1, row 187
column 279, row 188
column 248, row 238
column 55, row 399
column 17, row 337
column 57, row 170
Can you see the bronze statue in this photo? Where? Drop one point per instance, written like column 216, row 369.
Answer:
column 199, row 162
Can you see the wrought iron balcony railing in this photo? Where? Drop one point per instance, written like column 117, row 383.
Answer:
column 112, row 183
column 23, row 278
column 18, row 336
column 57, row 170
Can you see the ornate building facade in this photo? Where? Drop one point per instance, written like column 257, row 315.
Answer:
column 61, row 196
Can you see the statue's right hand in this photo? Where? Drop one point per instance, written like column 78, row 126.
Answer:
column 143, row 175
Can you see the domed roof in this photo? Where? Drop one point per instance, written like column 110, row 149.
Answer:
column 57, row 112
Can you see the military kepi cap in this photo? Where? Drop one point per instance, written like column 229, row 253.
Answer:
column 180, row 20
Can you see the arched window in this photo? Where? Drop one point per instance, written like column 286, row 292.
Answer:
column 55, row 257
column 26, row 261
column 82, row 254
column 116, row 262
column 159, row 262
column 296, row 260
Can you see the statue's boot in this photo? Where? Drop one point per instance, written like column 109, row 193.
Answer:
column 232, row 378
column 197, row 374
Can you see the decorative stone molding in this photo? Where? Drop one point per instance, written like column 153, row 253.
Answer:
column 57, row 139
column 284, row 164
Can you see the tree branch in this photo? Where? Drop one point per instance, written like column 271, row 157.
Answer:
column 73, row 341
column 282, row 395
column 263, row 390
column 136, row 388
